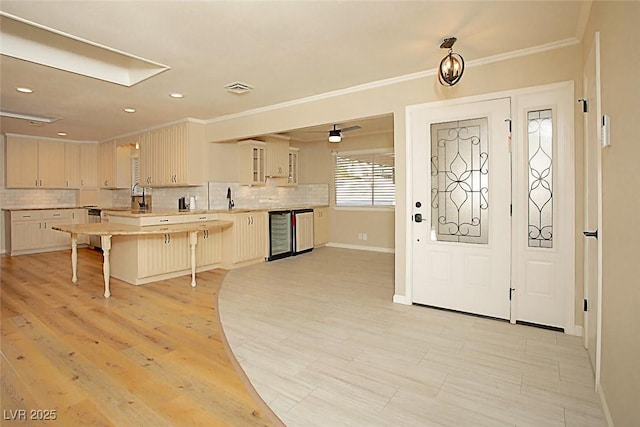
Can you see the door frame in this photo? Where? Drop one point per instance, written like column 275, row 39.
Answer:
column 570, row 286
column 598, row 195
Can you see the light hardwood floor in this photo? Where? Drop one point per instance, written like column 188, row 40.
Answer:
column 151, row 355
column 323, row 344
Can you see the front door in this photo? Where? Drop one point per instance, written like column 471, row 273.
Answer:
column 461, row 168
column 493, row 205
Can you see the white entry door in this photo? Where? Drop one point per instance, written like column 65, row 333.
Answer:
column 492, row 193
column 461, row 187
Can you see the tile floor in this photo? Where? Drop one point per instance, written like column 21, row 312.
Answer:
column 323, row 344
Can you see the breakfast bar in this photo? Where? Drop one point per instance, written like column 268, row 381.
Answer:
column 107, row 230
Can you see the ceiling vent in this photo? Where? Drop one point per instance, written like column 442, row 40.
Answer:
column 238, row 87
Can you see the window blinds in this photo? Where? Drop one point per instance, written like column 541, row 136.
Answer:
column 365, row 179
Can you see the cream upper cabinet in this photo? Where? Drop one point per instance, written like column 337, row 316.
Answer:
column 251, row 162
column 277, row 157
column 292, row 168
column 88, row 165
column 114, row 165
column 173, row 156
column 21, row 162
column 71, row 165
column 35, row 163
column 51, row 164
column 320, row 226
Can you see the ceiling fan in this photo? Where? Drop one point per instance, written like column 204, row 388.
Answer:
column 335, row 134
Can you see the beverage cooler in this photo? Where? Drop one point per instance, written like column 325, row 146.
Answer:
column 290, row 233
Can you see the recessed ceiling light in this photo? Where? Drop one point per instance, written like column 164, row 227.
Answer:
column 129, row 110
column 24, row 89
column 176, row 95
column 62, row 134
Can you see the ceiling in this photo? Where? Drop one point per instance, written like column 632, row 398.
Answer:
column 286, row 50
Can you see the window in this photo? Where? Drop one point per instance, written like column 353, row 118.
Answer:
column 365, row 178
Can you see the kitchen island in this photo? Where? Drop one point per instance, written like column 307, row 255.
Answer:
column 107, row 230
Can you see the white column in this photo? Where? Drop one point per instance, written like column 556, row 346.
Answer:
column 106, row 266
column 74, row 257
column 193, row 240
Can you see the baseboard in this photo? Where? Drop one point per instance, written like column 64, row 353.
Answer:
column 402, row 299
column 362, row 248
column 605, row 407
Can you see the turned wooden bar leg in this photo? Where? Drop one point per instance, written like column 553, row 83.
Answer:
column 74, row 257
column 106, row 266
column 193, row 240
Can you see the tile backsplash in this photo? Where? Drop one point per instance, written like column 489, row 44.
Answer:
column 211, row 196
column 268, row 196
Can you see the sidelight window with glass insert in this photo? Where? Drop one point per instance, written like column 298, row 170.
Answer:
column 540, row 202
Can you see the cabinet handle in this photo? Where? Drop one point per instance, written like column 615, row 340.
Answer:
column 40, row 183
column 82, row 182
column 202, row 217
column 168, row 238
column 164, row 220
column 36, row 182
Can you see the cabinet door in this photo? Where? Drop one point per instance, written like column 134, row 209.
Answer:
column 80, row 216
column 258, row 236
column 180, row 150
column 88, row 165
column 145, row 159
column 177, row 254
column 22, row 162
column 209, row 248
column 107, row 164
column 53, row 238
column 277, row 158
column 150, row 251
column 320, row 226
column 51, row 164
column 292, row 179
column 71, row 165
column 25, row 235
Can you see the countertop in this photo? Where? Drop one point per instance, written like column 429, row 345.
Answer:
column 170, row 212
column 110, row 229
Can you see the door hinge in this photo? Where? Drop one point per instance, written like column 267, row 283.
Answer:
column 509, row 122
column 585, row 105
column 585, row 305
column 511, row 209
column 511, row 293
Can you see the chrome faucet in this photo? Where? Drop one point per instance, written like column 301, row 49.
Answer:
column 231, row 204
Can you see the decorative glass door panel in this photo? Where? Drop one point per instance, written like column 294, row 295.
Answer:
column 460, row 181
column 540, row 142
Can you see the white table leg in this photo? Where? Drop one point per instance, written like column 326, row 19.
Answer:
column 106, row 266
column 74, row 257
column 193, row 240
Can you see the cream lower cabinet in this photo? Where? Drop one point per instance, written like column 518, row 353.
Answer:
column 30, row 231
column 320, row 226
column 246, row 241
column 161, row 254
column 208, row 249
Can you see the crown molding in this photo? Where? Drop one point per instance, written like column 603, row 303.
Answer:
column 399, row 79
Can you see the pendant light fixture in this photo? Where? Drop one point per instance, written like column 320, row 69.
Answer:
column 451, row 66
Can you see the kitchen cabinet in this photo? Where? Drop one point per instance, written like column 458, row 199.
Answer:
column 173, row 156
column 114, row 165
column 89, row 165
column 34, row 163
column 30, row 231
column 292, row 168
column 161, row 254
column 251, row 162
column 246, row 241
column 71, row 165
column 209, row 249
column 320, row 226
column 277, row 158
